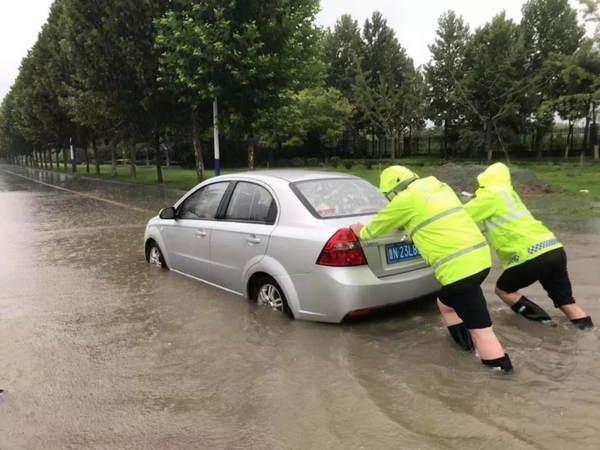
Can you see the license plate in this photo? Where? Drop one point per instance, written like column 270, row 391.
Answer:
column 395, row 253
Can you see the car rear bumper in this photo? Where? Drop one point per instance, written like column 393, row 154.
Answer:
column 329, row 294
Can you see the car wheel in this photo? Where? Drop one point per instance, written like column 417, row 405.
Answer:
column 269, row 294
column 155, row 256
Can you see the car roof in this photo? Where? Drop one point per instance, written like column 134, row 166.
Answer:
column 291, row 175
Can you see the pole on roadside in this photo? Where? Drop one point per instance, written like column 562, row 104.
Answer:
column 216, row 137
column 73, row 162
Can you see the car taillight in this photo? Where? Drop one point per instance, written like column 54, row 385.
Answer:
column 342, row 250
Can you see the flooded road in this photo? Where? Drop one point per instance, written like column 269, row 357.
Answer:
column 99, row 350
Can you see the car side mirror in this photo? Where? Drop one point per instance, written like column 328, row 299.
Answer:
column 167, row 213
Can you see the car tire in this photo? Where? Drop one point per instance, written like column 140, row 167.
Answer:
column 155, row 257
column 269, row 294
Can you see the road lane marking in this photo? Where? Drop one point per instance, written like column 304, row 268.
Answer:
column 81, row 194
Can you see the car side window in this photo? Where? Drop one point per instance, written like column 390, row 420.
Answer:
column 250, row 202
column 204, row 203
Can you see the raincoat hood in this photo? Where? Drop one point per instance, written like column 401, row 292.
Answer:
column 396, row 177
column 495, row 175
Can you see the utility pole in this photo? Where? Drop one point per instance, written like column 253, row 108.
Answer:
column 73, row 160
column 216, row 137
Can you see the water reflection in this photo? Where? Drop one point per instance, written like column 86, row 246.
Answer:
column 100, row 350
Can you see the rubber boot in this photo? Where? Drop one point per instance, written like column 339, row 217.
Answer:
column 530, row 310
column 503, row 364
column 461, row 336
column 583, row 323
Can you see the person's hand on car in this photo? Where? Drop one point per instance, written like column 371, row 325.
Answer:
column 356, row 228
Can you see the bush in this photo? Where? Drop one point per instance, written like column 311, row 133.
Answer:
column 368, row 163
column 297, row 162
column 334, row 161
column 282, row 163
column 313, row 162
column 348, row 164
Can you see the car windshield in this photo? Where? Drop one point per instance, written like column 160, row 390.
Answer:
column 340, row 197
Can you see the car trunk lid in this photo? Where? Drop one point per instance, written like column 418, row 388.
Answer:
column 387, row 255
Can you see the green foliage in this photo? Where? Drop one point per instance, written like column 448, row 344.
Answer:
column 95, row 71
column 110, row 48
column 343, row 47
column 315, row 114
column 297, row 162
column 548, row 27
column 322, row 113
column 335, row 161
column 349, row 164
column 491, row 86
column 447, row 65
column 313, row 162
column 243, row 52
column 592, row 15
column 578, row 84
column 388, row 91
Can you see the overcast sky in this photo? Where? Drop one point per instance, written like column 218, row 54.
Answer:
column 414, row 21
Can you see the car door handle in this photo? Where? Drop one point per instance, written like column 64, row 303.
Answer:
column 253, row 240
column 200, row 233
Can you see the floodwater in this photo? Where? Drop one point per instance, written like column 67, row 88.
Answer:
column 99, row 350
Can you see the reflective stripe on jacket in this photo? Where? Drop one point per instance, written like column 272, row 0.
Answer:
column 512, row 231
column 434, row 217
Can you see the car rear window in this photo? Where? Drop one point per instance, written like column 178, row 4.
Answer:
column 340, row 197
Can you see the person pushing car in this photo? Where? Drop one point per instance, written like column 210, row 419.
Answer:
column 528, row 251
column 450, row 242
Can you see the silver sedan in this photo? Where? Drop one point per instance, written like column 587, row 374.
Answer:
column 281, row 238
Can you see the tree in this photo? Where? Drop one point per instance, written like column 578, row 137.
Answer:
column 320, row 114
column 446, row 66
column 382, row 73
column 578, row 87
column 12, row 143
column 243, row 52
column 492, row 82
column 343, row 48
column 591, row 13
column 548, row 27
column 112, row 89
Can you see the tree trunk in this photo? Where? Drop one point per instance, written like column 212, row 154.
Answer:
column 445, row 143
column 159, row 174
column 502, row 146
column 65, row 159
column 87, row 158
column 132, row 163
column 539, row 142
column 197, row 144
column 44, row 160
column 96, row 159
column 113, row 159
column 586, row 135
column 167, row 157
column 488, row 142
column 251, row 151
column 569, row 134
column 594, row 137
column 50, row 159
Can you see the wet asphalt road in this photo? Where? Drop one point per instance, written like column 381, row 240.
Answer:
column 99, row 350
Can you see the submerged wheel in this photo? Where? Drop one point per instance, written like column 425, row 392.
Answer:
column 268, row 294
column 155, row 256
